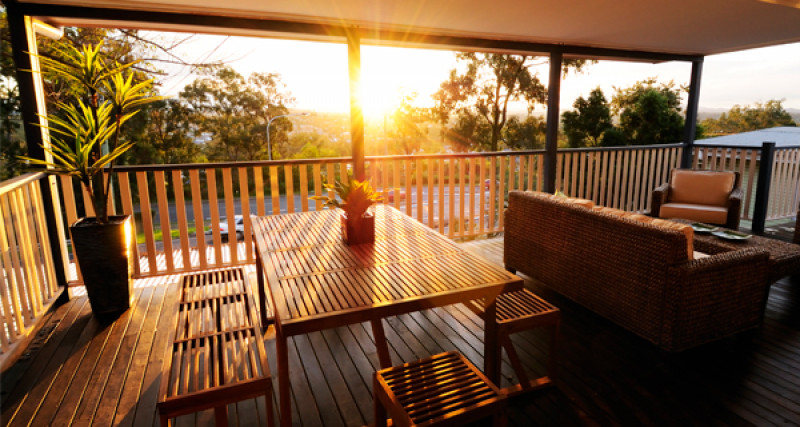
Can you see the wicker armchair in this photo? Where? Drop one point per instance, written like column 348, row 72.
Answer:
column 704, row 196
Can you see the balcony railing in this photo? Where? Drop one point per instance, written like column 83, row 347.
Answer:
column 178, row 208
column 28, row 287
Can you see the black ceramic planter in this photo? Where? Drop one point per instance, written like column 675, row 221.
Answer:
column 104, row 253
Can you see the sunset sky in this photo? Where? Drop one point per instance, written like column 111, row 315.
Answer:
column 316, row 73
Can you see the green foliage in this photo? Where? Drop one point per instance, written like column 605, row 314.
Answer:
column 589, row 121
column 527, row 134
column 650, row 113
column 480, row 96
column 235, row 110
column 747, row 118
column 613, row 137
column 78, row 135
column 165, row 136
column 406, row 133
column 352, row 196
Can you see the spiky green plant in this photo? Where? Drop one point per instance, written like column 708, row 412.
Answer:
column 85, row 126
column 351, row 195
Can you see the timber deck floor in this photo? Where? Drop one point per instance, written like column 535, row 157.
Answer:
column 81, row 372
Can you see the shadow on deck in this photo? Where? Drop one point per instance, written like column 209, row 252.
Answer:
column 78, row 371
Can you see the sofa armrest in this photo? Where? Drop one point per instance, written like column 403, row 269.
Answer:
column 714, row 297
column 659, row 197
column 797, row 229
column 734, row 208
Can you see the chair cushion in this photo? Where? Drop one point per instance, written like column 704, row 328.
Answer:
column 701, row 187
column 695, row 212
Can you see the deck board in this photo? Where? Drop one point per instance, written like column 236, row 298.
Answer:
column 79, row 371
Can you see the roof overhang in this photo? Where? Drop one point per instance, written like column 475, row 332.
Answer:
column 633, row 29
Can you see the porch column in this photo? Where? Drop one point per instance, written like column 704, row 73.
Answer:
column 32, row 100
column 690, row 126
column 551, row 137
column 356, row 115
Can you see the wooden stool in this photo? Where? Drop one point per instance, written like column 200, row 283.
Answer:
column 518, row 311
column 445, row 389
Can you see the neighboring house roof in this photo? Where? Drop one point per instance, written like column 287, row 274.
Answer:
column 781, row 136
column 686, row 27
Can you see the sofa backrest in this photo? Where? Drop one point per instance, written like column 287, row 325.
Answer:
column 701, row 187
column 686, row 229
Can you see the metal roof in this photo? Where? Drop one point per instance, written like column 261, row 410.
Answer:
column 781, row 136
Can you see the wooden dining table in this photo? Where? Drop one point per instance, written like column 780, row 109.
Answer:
column 315, row 281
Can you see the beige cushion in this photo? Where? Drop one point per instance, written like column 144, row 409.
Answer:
column 694, row 212
column 701, row 187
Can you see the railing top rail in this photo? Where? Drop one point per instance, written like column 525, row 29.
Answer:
column 265, row 163
column 622, row 148
column 19, row 181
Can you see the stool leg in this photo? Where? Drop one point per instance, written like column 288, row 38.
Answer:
column 379, row 410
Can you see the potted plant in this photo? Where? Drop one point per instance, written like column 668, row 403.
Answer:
column 107, row 98
column 354, row 197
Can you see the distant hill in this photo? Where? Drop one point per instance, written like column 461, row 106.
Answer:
column 715, row 113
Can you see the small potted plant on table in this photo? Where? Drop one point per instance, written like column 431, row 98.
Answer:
column 354, row 197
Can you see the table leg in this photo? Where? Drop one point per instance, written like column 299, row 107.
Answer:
column 492, row 350
column 284, row 395
column 380, row 344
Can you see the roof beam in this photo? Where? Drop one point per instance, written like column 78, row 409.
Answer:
column 186, row 21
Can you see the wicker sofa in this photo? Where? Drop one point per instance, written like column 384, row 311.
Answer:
column 634, row 273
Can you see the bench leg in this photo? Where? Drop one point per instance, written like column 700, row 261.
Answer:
column 270, row 411
column 165, row 421
column 221, row 415
column 379, row 410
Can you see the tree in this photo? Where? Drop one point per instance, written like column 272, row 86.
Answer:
column 405, row 132
column 479, row 97
column 166, row 135
column 235, row 110
column 650, row 113
column 591, row 118
column 744, row 119
column 526, row 134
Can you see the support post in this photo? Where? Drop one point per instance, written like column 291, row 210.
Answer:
column 690, row 126
column 33, row 108
column 763, row 185
column 356, row 114
column 551, row 137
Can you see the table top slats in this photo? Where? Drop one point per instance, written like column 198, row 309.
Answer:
column 314, row 275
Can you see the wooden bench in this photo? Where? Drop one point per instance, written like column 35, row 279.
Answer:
column 445, row 389
column 518, row 311
column 217, row 356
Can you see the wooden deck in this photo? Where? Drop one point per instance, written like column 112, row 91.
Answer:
column 81, row 372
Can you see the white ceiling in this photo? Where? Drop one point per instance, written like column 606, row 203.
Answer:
column 688, row 27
